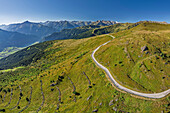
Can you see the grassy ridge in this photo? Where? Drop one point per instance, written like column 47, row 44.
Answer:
column 89, row 31
column 146, row 71
column 26, row 56
column 70, row 58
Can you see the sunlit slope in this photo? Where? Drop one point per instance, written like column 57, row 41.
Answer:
column 63, row 64
column 139, row 57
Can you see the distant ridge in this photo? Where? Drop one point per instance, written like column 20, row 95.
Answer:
column 60, row 25
column 30, row 28
column 43, row 29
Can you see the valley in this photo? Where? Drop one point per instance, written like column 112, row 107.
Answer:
column 61, row 76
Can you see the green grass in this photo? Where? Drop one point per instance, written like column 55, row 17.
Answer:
column 8, row 51
column 71, row 58
column 141, row 71
column 14, row 69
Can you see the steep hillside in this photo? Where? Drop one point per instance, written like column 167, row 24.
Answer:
column 9, row 50
column 31, row 28
column 76, row 33
column 14, row 39
column 25, row 56
column 140, row 57
column 88, row 31
column 65, row 79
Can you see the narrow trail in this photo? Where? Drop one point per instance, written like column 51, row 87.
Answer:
column 18, row 100
column 43, row 98
column 10, row 98
column 29, row 102
column 59, row 99
column 154, row 95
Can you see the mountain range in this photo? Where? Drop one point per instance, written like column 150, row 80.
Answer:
column 87, row 31
column 42, row 29
column 26, row 33
column 60, row 25
column 30, row 28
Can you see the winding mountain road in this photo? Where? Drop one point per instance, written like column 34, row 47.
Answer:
column 154, row 95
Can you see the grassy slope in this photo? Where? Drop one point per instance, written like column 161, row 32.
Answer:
column 142, row 71
column 11, row 50
column 89, row 31
column 8, row 51
column 27, row 55
column 72, row 59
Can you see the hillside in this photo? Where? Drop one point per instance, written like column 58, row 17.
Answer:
column 14, row 39
column 24, row 56
column 9, row 50
column 141, row 57
column 30, row 28
column 65, row 79
column 76, row 33
column 88, row 31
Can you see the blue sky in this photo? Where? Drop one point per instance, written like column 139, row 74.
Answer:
column 12, row 11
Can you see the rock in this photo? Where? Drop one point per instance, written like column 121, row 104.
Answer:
column 52, row 89
column 95, row 110
column 111, row 103
column 89, row 97
column 115, row 109
column 3, row 110
column 147, row 52
column 100, row 104
column 53, row 84
column 144, row 48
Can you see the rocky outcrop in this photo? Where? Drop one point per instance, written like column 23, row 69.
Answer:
column 111, row 103
column 144, row 48
column 89, row 97
column 96, row 110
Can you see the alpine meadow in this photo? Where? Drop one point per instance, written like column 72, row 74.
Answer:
column 84, row 65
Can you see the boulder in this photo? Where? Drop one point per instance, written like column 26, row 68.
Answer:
column 115, row 109
column 53, row 84
column 144, row 48
column 89, row 97
column 95, row 110
column 111, row 103
column 52, row 89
